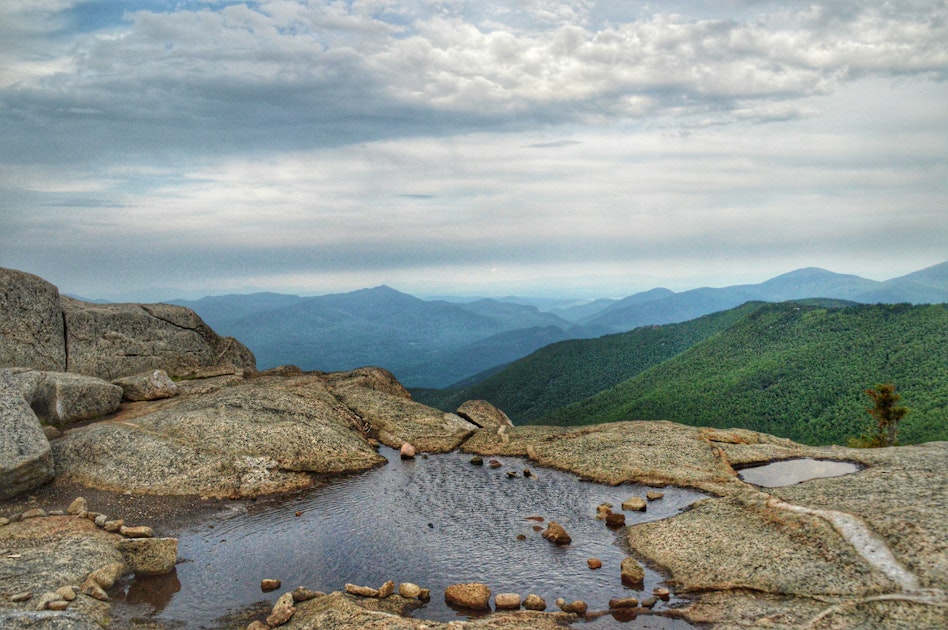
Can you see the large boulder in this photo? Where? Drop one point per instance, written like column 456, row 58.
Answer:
column 262, row 435
column 151, row 385
column 484, row 414
column 110, row 341
column 25, row 458
column 31, row 322
column 61, row 397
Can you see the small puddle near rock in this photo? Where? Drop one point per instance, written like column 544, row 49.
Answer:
column 793, row 471
column 433, row 521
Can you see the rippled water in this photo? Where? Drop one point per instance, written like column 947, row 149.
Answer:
column 792, row 471
column 433, row 521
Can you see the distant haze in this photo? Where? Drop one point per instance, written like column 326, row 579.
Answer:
column 162, row 149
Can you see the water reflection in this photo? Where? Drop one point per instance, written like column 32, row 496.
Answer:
column 433, row 521
column 792, row 471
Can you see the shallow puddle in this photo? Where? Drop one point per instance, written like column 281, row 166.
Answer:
column 793, row 471
column 433, row 521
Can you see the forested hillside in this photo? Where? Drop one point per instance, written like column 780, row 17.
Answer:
column 569, row 371
column 796, row 371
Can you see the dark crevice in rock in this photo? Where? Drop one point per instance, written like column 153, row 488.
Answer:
column 469, row 419
column 151, row 313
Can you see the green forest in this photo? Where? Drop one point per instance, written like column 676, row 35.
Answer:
column 796, row 370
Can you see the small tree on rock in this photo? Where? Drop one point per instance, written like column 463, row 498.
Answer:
column 887, row 413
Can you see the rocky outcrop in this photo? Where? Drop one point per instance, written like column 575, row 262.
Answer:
column 151, row 385
column 61, row 397
column 484, row 415
column 31, row 323
column 115, row 340
column 25, row 457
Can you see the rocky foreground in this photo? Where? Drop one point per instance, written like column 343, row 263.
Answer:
column 146, row 400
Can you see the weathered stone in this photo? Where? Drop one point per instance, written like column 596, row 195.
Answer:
column 257, row 625
column 555, row 533
column 594, row 563
column 93, row 590
column 62, row 397
column 507, row 601
column 424, row 594
column 113, row 526
column 484, row 415
column 107, row 575
column 59, row 604
column 51, row 432
column 477, row 460
column 101, row 520
column 472, row 595
column 362, row 591
column 407, row 451
column 409, row 590
column 654, row 495
column 615, row 519
column 661, row 592
column 33, row 513
column 110, row 341
column 649, row 602
column 534, row 602
column 21, row 597
column 26, row 461
column 267, row 585
column 31, row 323
column 136, row 531
column 149, row 556
column 632, row 572
column 303, row 594
column 386, row 589
column 623, row 602
column 78, row 505
column 577, row 607
column 151, row 385
column 634, row 504
column 68, row 593
column 282, row 611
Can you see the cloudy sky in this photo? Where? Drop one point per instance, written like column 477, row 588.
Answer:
column 166, row 148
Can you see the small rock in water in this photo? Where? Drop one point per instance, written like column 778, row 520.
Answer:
column 407, row 451
column 386, row 589
column 507, row 601
column 511, row 474
column 661, row 592
column 494, row 463
column 477, row 460
column 654, row 495
column 603, row 510
column 635, row 504
column 556, row 534
column 534, row 602
column 409, row 590
column 527, row 472
column 594, row 563
column 303, row 594
column 632, row 572
column 473, row 595
column 615, row 519
column 361, row 591
column 623, row 602
column 269, row 584
column 649, row 602
column 577, row 607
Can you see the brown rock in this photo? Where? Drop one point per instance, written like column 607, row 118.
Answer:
column 269, row 584
column 623, row 602
column 34, row 513
column 149, row 556
column 59, row 604
column 407, row 451
column 632, row 572
column 661, row 592
column 473, row 595
column 114, row 526
column 139, row 531
column 303, row 594
column 409, row 590
column 615, row 519
column 577, row 607
column 362, row 591
column 534, row 602
column 106, row 576
column 634, row 504
column 21, row 597
column 68, row 593
column 257, row 625
column 654, row 495
column 93, row 590
column 78, row 505
column 386, row 589
column 594, row 563
column 282, row 611
column 555, row 533
column 507, row 601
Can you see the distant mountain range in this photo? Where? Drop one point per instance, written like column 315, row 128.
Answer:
column 435, row 343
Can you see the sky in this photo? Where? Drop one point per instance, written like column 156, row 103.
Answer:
column 159, row 148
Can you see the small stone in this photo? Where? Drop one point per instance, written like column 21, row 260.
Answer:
column 59, row 604
column 4, row 521
column 493, row 463
column 507, row 601
column 93, row 590
column 603, row 511
column 21, row 597
column 623, row 602
column 538, row 519
column 615, row 519
column 34, row 513
column 654, row 495
column 661, row 592
column 282, row 610
column 386, row 589
column 522, row 536
column 106, row 576
column 534, row 602
column 477, row 460
column 68, row 593
column 140, row 531
column 527, row 472
column 269, row 584
column 101, row 520
column 407, row 451
column 473, row 595
column 409, row 590
column 594, row 563
column 77, row 506
column 361, row 591
column 56, row 513
column 114, row 526
column 649, row 602
column 303, row 594
column 91, row 515
column 555, row 533
column 632, row 572
column 257, row 625
column 635, row 504
column 425, row 594
column 511, row 474
column 577, row 607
